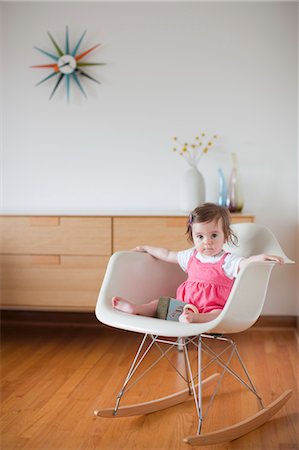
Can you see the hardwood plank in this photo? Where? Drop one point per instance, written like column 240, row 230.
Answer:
column 154, row 405
column 241, row 428
column 53, row 378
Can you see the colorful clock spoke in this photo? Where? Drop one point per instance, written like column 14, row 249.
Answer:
column 79, row 84
column 68, row 64
column 84, row 74
column 47, row 78
column 55, row 57
column 78, row 57
column 67, row 83
column 81, row 64
column 46, row 66
column 67, row 42
column 78, row 44
column 58, row 49
column 56, row 86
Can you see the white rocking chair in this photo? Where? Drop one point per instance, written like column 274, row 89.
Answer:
column 243, row 307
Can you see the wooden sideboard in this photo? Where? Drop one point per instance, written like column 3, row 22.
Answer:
column 58, row 262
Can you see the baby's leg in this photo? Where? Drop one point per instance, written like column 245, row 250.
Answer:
column 145, row 309
column 192, row 317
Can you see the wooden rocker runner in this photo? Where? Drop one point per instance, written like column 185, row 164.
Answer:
column 242, row 309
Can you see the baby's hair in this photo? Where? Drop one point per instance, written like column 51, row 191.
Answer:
column 209, row 212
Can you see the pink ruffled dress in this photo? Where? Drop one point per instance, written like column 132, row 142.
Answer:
column 207, row 286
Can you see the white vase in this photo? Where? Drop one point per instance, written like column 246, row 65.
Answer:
column 192, row 190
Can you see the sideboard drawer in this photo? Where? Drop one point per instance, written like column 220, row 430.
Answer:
column 56, row 235
column 66, row 282
column 168, row 232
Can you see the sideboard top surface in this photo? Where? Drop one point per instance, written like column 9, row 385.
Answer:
column 106, row 213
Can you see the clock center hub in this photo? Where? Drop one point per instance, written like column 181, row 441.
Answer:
column 67, row 64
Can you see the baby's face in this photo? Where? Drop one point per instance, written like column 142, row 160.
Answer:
column 208, row 237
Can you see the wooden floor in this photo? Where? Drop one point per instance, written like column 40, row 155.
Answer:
column 52, row 379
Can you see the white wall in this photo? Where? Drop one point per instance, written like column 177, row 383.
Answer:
column 172, row 69
column 1, row 110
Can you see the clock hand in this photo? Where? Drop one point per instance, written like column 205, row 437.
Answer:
column 65, row 64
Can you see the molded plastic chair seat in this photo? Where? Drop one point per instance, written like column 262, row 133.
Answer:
column 240, row 312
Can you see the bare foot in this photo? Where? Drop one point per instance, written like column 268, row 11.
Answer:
column 124, row 305
column 189, row 316
column 189, row 313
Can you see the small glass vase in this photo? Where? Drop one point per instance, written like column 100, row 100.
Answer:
column 234, row 200
column 192, row 190
column 222, row 189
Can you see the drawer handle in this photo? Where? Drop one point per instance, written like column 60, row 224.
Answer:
column 44, row 221
column 45, row 260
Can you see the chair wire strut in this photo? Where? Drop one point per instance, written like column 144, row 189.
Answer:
column 189, row 378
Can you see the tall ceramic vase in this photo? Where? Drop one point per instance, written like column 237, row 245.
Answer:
column 192, row 190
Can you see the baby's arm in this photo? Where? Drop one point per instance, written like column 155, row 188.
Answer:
column 159, row 253
column 256, row 258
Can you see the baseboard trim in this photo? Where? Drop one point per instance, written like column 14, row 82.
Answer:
column 48, row 318
column 88, row 319
column 276, row 322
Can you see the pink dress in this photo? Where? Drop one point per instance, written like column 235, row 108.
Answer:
column 207, row 286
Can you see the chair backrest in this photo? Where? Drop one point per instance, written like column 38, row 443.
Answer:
column 248, row 295
column 255, row 239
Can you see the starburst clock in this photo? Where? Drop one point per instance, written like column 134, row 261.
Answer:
column 68, row 65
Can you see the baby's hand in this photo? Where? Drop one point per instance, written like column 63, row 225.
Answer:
column 257, row 258
column 139, row 248
column 277, row 259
